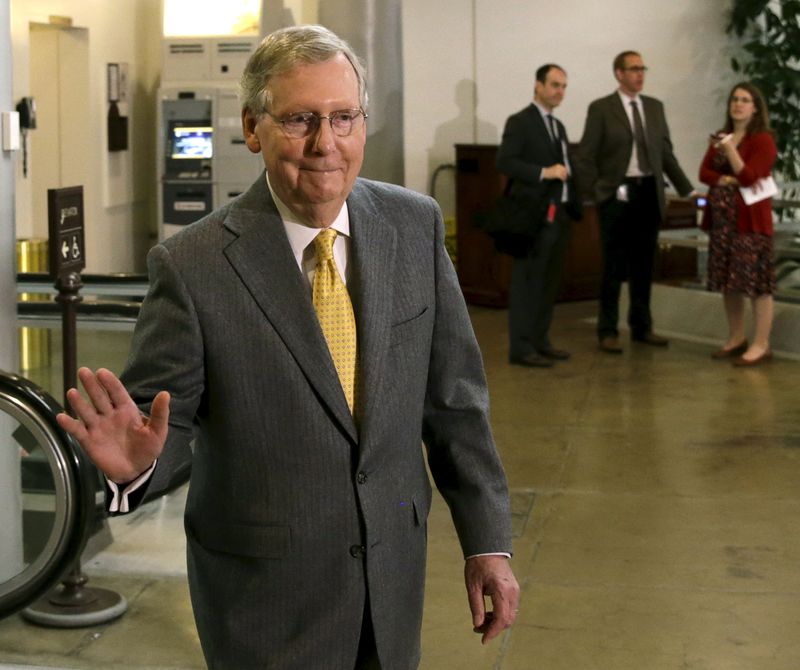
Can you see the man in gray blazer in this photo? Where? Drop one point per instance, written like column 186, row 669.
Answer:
column 306, row 517
column 621, row 161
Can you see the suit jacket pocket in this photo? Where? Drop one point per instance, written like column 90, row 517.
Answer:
column 406, row 329
column 241, row 540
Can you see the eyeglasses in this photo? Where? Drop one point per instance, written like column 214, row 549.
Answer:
column 744, row 101
column 636, row 68
column 303, row 124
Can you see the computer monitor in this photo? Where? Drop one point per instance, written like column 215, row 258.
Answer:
column 191, row 142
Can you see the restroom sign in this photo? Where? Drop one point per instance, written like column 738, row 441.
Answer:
column 65, row 218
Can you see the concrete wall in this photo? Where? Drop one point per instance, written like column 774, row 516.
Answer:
column 469, row 64
column 119, row 188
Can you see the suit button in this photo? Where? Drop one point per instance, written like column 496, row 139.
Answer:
column 357, row 551
column 361, row 477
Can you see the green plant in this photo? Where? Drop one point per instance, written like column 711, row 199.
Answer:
column 769, row 31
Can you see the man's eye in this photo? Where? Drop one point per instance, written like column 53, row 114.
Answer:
column 299, row 119
column 346, row 117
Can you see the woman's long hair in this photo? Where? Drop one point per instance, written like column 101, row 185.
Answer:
column 760, row 121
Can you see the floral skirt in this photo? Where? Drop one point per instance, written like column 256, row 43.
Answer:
column 737, row 262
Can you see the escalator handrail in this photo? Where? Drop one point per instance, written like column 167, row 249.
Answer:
column 79, row 478
column 131, row 286
column 117, row 308
column 116, row 279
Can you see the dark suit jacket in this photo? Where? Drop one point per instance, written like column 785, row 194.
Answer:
column 605, row 149
column 526, row 148
column 294, row 510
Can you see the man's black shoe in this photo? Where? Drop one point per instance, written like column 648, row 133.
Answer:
column 533, row 360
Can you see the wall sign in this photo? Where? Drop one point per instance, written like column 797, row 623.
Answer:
column 65, row 222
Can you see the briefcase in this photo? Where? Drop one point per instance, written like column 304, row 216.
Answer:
column 512, row 222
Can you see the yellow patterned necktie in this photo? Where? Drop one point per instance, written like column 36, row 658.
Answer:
column 335, row 314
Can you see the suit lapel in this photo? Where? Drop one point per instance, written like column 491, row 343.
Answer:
column 263, row 260
column 618, row 110
column 651, row 126
column 373, row 257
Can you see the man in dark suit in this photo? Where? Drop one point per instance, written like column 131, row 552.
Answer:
column 310, row 335
column 621, row 161
column 533, row 154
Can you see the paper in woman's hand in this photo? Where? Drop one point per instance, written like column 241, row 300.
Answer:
column 760, row 190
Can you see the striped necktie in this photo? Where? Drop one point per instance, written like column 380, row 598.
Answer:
column 335, row 314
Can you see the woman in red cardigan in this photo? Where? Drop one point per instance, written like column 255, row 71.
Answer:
column 740, row 256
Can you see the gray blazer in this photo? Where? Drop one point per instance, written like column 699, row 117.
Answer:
column 606, row 146
column 296, row 513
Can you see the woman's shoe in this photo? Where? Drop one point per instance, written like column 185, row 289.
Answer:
column 742, row 362
column 738, row 350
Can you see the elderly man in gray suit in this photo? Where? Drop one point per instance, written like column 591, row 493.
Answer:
column 309, row 372
column 621, row 161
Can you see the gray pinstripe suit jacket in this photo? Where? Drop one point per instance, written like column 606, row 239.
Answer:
column 285, row 486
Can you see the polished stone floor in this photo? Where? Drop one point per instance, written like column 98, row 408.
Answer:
column 656, row 502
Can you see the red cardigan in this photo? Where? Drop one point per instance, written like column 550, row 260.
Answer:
column 758, row 153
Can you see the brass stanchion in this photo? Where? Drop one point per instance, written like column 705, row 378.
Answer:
column 34, row 343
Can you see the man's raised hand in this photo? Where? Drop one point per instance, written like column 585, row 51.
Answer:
column 116, row 436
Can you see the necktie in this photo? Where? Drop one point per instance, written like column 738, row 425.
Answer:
column 639, row 140
column 554, row 135
column 335, row 314
column 560, row 189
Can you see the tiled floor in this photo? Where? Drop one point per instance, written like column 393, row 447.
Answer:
column 656, row 506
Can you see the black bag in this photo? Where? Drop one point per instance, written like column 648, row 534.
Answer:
column 513, row 222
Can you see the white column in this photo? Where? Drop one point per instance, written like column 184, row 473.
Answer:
column 10, row 493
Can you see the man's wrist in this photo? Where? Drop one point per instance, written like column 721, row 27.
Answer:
column 491, row 553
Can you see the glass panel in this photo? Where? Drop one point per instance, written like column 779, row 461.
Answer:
column 37, row 496
column 11, row 533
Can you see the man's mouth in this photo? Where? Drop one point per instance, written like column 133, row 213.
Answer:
column 308, row 168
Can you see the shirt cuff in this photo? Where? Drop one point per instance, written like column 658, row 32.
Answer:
column 490, row 553
column 119, row 499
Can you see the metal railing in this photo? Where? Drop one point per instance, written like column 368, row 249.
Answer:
column 53, row 478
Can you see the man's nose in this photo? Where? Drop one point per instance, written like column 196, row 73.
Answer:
column 324, row 137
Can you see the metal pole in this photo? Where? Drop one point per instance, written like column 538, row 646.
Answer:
column 73, row 604
column 68, row 297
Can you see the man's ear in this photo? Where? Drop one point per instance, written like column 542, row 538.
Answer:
column 249, row 131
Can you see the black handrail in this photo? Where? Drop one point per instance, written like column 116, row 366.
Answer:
column 75, row 481
column 89, row 308
column 116, row 279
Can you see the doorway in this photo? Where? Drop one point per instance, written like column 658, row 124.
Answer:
column 59, row 82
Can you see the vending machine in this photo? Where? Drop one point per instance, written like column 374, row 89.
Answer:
column 203, row 161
